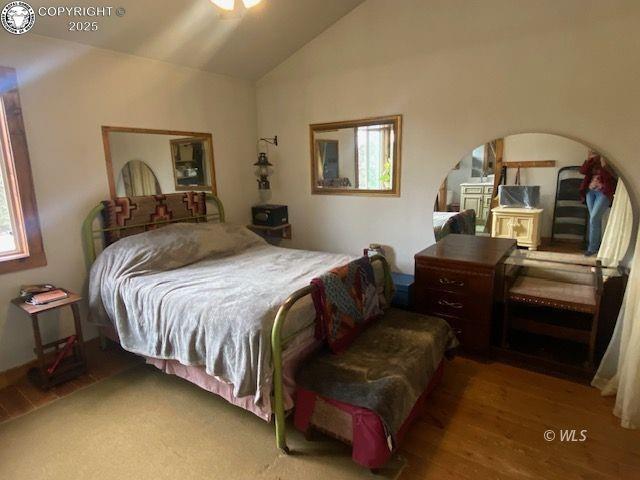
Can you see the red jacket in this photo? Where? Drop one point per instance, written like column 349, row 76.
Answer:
column 591, row 167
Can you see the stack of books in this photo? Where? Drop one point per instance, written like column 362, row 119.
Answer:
column 42, row 294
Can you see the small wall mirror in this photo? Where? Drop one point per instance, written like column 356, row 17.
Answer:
column 147, row 162
column 357, row 157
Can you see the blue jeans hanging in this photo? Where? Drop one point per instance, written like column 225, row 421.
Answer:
column 597, row 203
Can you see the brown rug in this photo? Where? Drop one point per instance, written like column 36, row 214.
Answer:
column 142, row 424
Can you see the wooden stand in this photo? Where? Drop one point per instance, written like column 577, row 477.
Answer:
column 521, row 224
column 281, row 231
column 70, row 367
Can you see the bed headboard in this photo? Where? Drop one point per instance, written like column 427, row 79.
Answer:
column 124, row 216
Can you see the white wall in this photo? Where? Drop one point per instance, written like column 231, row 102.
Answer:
column 68, row 91
column 564, row 151
column 461, row 73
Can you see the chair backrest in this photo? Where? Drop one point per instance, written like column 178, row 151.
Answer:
column 570, row 214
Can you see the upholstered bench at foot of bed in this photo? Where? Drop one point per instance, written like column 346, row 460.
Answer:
column 359, row 427
column 368, row 395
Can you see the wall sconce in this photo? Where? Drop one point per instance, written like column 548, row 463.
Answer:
column 263, row 165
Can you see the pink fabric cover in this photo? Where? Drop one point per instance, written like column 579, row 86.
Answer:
column 370, row 448
column 301, row 347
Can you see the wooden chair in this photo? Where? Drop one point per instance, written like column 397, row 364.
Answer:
column 565, row 291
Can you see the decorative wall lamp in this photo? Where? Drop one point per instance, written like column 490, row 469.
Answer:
column 263, row 166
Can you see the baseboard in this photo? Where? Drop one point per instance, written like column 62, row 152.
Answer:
column 15, row 374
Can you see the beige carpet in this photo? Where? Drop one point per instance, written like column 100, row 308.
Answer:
column 142, row 424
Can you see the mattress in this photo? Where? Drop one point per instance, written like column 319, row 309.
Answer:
column 445, row 223
column 205, row 295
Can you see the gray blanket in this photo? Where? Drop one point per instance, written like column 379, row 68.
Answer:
column 204, row 294
column 386, row 369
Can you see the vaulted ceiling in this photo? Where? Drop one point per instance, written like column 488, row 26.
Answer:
column 195, row 33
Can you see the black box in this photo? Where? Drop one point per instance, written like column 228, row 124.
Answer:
column 270, row 215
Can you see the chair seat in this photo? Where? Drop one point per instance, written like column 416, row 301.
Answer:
column 553, row 293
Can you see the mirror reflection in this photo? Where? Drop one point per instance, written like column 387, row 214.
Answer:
column 136, row 178
column 545, row 191
column 358, row 157
column 147, row 162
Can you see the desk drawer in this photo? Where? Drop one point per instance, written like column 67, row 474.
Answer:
column 455, row 281
column 443, row 303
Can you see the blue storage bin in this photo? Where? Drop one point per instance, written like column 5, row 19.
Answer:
column 404, row 290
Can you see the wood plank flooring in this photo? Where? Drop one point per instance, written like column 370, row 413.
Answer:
column 485, row 421
column 488, row 421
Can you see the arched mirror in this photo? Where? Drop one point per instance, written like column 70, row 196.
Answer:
column 546, row 191
column 135, row 179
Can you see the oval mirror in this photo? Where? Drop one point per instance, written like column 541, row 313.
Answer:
column 136, row 179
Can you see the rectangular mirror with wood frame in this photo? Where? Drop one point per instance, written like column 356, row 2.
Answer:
column 356, row 157
column 143, row 161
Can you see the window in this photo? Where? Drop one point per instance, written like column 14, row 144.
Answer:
column 20, row 239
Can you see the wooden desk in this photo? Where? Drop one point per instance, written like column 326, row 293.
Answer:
column 70, row 367
column 456, row 279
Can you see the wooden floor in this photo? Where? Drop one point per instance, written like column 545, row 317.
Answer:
column 488, row 421
column 23, row 396
column 485, row 421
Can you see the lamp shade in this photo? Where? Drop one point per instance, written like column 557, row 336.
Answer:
column 263, row 161
column 225, row 4
column 230, row 4
column 263, row 171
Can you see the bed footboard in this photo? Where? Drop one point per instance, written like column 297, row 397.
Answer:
column 276, row 351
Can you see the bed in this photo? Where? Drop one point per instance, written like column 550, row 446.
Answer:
column 445, row 223
column 144, row 282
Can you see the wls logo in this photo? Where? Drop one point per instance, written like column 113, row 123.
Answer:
column 17, row 17
column 568, row 435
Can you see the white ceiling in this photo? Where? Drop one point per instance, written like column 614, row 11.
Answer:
column 197, row 34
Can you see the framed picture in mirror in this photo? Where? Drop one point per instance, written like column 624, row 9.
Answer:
column 190, row 163
column 356, row 157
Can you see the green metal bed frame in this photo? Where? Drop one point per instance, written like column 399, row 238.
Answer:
column 91, row 234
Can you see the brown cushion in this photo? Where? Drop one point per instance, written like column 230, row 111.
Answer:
column 128, row 211
column 554, row 290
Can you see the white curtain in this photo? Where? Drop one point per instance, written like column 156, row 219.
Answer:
column 619, row 372
column 617, row 234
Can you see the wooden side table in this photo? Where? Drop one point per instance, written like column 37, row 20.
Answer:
column 459, row 279
column 521, row 224
column 71, row 366
column 281, row 231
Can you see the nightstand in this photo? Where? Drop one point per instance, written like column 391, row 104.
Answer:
column 71, row 366
column 281, row 231
column 459, row 279
column 521, row 224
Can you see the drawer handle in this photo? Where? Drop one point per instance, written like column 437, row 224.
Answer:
column 447, row 281
column 444, row 303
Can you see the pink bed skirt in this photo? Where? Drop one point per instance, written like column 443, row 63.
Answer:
column 301, row 347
